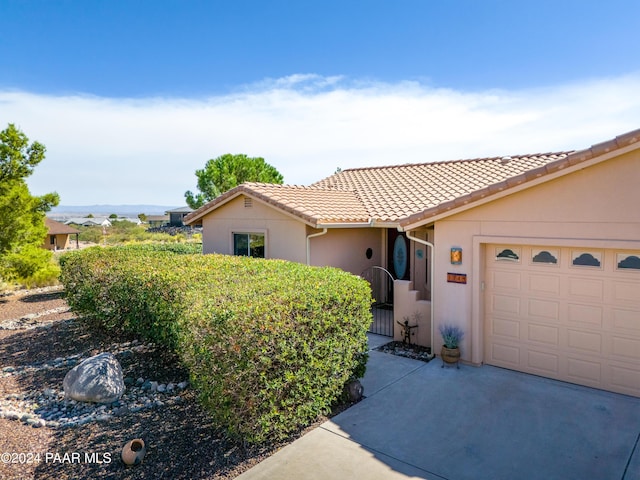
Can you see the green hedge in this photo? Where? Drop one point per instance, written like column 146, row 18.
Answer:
column 269, row 343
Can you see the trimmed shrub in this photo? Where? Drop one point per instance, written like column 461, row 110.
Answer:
column 269, row 344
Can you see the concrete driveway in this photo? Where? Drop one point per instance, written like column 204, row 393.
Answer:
column 422, row 421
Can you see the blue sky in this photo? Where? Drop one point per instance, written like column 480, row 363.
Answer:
column 132, row 97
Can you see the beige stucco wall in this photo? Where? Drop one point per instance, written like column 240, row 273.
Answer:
column 420, row 260
column 595, row 206
column 285, row 236
column 346, row 248
column 409, row 306
column 62, row 242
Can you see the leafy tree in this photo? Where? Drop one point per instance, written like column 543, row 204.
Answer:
column 113, row 215
column 229, row 171
column 22, row 228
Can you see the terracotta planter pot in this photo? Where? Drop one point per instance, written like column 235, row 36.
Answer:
column 133, row 452
column 450, row 355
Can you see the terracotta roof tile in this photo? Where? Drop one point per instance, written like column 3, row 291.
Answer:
column 402, row 194
column 315, row 205
column 393, row 193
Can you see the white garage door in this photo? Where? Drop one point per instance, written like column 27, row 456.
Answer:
column 572, row 314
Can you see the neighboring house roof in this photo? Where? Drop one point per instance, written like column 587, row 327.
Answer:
column 180, row 210
column 410, row 193
column 135, row 220
column 57, row 228
column 89, row 222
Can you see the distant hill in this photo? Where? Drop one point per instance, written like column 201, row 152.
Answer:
column 102, row 210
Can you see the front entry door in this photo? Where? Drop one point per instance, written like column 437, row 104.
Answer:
column 398, row 254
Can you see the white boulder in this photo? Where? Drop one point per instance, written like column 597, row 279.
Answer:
column 97, row 379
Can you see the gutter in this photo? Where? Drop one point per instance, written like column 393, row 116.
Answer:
column 431, row 270
column 325, row 226
column 309, row 237
column 368, row 223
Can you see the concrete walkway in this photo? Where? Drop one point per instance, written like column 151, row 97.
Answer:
column 422, row 421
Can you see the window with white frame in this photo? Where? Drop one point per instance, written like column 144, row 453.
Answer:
column 248, row 244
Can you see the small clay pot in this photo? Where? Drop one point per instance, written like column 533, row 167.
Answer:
column 133, row 452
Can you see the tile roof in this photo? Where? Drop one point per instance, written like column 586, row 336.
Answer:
column 405, row 194
column 57, row 228
column 393, row 193
column 314, row 205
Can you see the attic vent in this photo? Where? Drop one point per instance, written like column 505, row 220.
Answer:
column 505, row 160
column 248, row 203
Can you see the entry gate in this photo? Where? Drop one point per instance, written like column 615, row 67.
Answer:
column 381, row 282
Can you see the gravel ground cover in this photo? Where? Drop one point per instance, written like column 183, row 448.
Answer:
column 45, row 436
column 401, row 349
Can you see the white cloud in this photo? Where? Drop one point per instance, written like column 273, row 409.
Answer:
column 108, row 150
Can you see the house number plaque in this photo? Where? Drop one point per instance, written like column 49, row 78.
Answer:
column 457, row 278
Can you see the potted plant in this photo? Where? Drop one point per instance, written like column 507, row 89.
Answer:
column 451, row 336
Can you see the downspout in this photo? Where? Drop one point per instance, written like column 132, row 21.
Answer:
column 309, row 237
column 431, row 270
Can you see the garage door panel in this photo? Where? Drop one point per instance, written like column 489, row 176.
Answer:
column 626, row 319
column 547, row 334
column 585, row 341
column 504, row 355
column 505, row 328
column 506, row 280
column 628, row 293
column 625, row 347
column 578, row 323
column 625, row 379
column 544, row 284
column 584, row 371
column 587, row 315
column 545, row 309
column 590, row 288
column 541, row 362
column 505, row 304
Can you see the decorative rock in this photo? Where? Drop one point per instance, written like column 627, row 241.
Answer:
column 162, row 388
column 97, row 379
column 183, row 385
column 354, row 390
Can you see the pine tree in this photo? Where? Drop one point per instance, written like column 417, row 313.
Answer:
column 22, row 227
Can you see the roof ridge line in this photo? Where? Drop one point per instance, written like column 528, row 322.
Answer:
column 442, row 162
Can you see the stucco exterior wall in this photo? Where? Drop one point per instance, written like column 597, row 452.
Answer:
column 346, row 248
column 285, row 237
column 62, row 242
column 595, row 206
column 409, row 306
